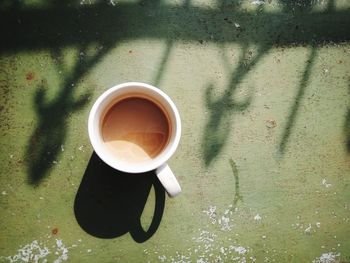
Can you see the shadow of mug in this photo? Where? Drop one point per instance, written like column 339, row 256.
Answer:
column 109, row 203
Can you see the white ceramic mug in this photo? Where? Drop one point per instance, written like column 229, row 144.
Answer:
column 159, row 163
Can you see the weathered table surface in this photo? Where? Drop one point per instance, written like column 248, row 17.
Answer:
column 264, row 160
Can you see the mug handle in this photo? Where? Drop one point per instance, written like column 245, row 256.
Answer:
column 168, row 180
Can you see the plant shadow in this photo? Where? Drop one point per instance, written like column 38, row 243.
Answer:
column 301, row 32
column 109, row 203
column 219, row 124
column 295, row 108
column 60, row 24
column 46, row 142
column 347, row 131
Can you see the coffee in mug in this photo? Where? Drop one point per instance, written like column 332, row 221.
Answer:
column 135, row 129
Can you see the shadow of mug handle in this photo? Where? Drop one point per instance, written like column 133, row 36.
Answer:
column 137, row 232
column 168, row 180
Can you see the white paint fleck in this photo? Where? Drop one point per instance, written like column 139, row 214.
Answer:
column 329, row 257
column 31, row 252
column 88, row 250
column 162, row 258
column 252, row 259
column 4, row 193
column 211, row 212
column 62, row 148
column 62, row 250
column 257, row 217
column 37, row 251
column 318, row 224
column 208, row 247
column 324, row 182
column 206, row 237
column 240, row 250
column 308, row 229
column 225, row 223
column 113, row 2
column 258, row 2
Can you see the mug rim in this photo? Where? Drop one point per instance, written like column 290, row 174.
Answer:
column 123, row 166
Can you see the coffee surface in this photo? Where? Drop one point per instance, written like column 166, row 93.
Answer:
column 135, row 130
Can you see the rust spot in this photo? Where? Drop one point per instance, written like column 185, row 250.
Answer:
column 130, row 51
column 340, row 62
column 54, row 231
column 30, row 76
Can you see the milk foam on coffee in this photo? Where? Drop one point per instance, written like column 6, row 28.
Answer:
column 135, row 130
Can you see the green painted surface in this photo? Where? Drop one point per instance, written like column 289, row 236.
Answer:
column 264, row 160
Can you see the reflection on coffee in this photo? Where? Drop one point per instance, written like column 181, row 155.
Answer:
column 135, row 130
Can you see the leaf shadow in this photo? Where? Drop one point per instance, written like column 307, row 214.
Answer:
column 221, row 110
column 45, row 144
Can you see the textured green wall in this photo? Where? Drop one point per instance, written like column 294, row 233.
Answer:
column 263, row 92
